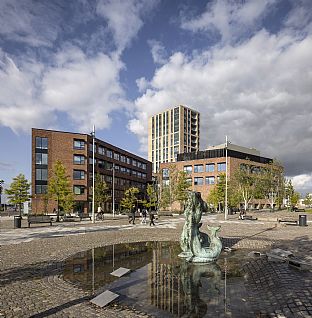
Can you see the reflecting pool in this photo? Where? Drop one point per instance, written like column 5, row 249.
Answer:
column 162, row 284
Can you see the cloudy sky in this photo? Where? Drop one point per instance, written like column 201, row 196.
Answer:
column 245, row 65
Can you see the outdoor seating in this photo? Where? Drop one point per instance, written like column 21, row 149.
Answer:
column 288, row 221
column 39, row 219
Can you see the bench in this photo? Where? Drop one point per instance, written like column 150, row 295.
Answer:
column 247, row 217
column 39, row 219
column 84, row 216
column 299, row 210
column 288, row 221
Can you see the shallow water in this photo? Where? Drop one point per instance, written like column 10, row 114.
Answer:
column 162, row 284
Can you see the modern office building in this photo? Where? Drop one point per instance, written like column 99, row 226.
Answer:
column 74, row 150
column 172, row 132
column 204, row 167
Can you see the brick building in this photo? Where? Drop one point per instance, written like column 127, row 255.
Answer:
column 74, row 150
column 204, row 167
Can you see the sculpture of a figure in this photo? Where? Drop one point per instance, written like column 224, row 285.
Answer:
column 197, row 246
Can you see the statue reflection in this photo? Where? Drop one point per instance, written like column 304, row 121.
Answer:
column 197, row 280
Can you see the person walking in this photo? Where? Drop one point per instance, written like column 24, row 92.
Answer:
column 152, row 218
column 132, row 216
column 144, row 214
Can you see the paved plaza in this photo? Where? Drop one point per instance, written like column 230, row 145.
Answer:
column 31, row 264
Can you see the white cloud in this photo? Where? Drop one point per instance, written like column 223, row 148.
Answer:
column 302, row 183
column 125, row 18
column 259, row 95
column 230, row 19
column 158, row 52
column 142, row 84
column 86, row 89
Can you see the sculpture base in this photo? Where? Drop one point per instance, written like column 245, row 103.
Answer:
column 197, row 259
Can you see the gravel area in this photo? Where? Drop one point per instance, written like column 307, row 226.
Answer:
column 31, row 272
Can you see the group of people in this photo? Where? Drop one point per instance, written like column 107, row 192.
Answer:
column 143, row 215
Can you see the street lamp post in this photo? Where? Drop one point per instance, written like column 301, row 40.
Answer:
column 93, row 176
column 113, row 190
column 226, row 179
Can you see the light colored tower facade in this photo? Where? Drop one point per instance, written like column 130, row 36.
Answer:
column 173, row 131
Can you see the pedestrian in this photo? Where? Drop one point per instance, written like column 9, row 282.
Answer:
column 152, row 218
column 144, row 214
column 132, row 216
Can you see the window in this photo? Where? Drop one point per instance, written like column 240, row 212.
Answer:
column 79, row 160
column 134, row 162
column 198, row 181
column 41, row 158
column 79, row 144
column 108, row 165
column 101, row 164
column 128, row 161
column 210, row 180
column 116, row 156
column 139, row 174
column 101, row 150
column 143, row 175
column 134, row 173
column 42, row 174
column 41, row 143
column 144, row 164
column 109, row 179
column 123, row 169
column 122, row 158
column 78, row 189
column 187, row 169
column 41, row 189
column 140, row 164
column 189, row 180
column 165, row 172
column 91, row 161
column 221, row 166
column 109, row 153
column 79, row 175
column 198, row 168
column 210, row 167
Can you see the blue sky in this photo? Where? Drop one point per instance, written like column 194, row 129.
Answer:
column 246, row 66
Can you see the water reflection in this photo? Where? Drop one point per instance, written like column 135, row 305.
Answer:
column 161, row 283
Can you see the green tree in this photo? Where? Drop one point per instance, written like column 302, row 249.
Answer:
column 295, row 198
column 247, row 183
column 289, row 193
column 272, row 183
column 181, row 188
column 101, row 191
column 164, row 198
column 18, row 192
column 130, row 198
column 216, row 196
column 308, row 200
column 59, row 189
column 151, row 200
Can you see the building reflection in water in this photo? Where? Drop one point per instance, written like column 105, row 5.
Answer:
column 175, row 286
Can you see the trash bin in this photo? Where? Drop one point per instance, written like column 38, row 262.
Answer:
column 17, row 222
column 302, row 220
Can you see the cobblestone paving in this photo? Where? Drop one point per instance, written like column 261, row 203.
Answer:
column 32, row 285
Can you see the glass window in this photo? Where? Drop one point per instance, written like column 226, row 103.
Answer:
column 210, row 167
column 78, row 189
column 79, row 160
column 116, row 156
column 144, row 164
column 144, row 175
column 165, row 172
column 198, row 181
column 42, row 142
column 128, row 161
column 198, row 168
column 108, row 179
column 187, row 169
column 41, row 158
column 101, row 164
column 139, row 174
column 210, row 180
column 79, row 144
column 134, row 173
column 221, row 166
column 109, row 153
column 134, row 162
column 42, row 174
column 91, row 160
column 108, row 165
column 79, row 175
column 189, row 180
column 41, row 189
column 122, row 158
column 101, row 150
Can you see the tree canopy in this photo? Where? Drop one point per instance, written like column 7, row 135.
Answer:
column 18, row 192
column 130, row 198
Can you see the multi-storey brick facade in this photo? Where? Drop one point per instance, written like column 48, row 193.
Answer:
column 74, row 150
column 204, row 167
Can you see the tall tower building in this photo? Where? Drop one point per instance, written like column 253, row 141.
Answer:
column 171, row 132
